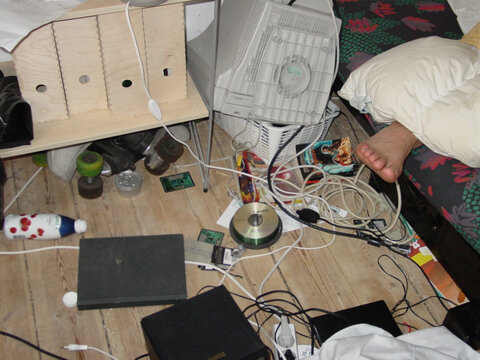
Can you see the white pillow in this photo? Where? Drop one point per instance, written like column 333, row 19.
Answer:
column 430, row 85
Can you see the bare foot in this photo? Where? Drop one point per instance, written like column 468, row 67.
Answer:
column 386, row 151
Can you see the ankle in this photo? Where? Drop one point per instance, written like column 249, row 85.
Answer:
column 407, row 136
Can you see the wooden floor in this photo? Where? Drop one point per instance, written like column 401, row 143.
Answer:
column 343, row 275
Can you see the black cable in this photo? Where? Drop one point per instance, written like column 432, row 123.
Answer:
column 305, row 312
column 274, row 309
column 418, row 303
column 315, row 336
column 290, row 316
column 291, row 2
column 441, row 299
column 204, row 288
column 404, row 285
column 31, row 345
column 262, row 305
column 297, row 305
column 401, row 222
column 276, row 333
column 260, row 325
column 141, row 356
column 408, row 306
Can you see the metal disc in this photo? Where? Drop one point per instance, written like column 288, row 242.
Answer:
column 256, row 225
column 128, row 183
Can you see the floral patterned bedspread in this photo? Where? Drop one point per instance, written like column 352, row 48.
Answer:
column 372, row 27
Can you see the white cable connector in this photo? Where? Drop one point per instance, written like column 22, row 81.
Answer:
column 79, row 347
column 155, row 109
column 76, row 347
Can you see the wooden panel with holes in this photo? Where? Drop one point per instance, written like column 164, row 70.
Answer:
column 126, row 95
column 79, row 54
column 164, row 38
column 98, row 63
column 39, row 77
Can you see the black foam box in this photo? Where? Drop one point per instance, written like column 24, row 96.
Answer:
column 209, row 326
column 131, row 271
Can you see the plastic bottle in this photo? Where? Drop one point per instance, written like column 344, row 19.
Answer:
column 41, row 226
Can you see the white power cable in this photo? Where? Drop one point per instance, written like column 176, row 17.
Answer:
column 39, row 250
column 137, row 50
column 246, row 145
column 79, row 347
column 223, row 272
column 277, row 264
column 289, row 248
column 22, row 189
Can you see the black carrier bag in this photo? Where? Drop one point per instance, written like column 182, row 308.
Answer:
column 16, row 127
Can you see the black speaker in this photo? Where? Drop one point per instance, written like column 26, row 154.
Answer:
column 374, row 313
column 209, row 326
column 464, row 322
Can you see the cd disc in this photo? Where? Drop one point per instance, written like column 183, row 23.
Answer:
column 256, row 225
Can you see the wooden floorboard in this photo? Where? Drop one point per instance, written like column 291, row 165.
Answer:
column 343, row 275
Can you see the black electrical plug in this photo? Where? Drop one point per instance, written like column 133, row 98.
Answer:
column 289, row 355
column 308, row 215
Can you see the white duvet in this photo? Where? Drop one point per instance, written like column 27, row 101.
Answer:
column 366, row 342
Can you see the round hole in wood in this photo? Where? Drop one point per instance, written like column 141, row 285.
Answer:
column 84, row 79
column 126, row 83
column 41, row 88
column 167, row 72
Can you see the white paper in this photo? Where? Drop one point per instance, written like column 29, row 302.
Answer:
column 19, row 17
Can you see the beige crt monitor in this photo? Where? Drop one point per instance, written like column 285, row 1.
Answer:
column 274, row 62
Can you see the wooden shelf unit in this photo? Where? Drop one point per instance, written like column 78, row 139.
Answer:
column 101, row 123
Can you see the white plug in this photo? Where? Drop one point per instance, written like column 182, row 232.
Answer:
column 284, row 335
column 155, row 109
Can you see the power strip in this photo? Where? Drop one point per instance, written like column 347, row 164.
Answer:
column 289, row 353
